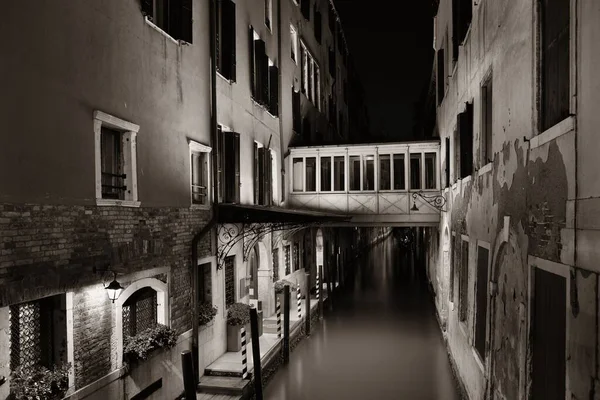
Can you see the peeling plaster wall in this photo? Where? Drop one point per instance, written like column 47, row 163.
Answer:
column 548, row 187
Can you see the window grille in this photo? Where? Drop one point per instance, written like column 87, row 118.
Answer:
column 229, row 280
column 30, row 336
column 275, row 265
column 139, row 312
column 287, row 260
column 111, row 152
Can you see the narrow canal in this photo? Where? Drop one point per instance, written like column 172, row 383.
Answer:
column 382, row 341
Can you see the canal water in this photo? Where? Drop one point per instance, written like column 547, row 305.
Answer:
column 381, row 341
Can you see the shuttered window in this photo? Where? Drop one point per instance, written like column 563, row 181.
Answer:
column 555, row 20
column 305, row 8
column 226, row 57
column 318, row 25
column 264, row 75
column 441, row 75
column 296, row 112
column 465, row 128
column 486, row 123
column 263, row 175
column 172, row 16
column 481, row 298
column 112, row 164
column 229, row 167
column 462, row 14
column 463, row 281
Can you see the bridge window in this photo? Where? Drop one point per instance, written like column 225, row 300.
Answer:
column 415, row 171
column 298, row 171
column 311, row 174
column 325, row 174
column 385, row 172
column 339, row 171
column 399, row 170
column 354, row 172
column 430, row 178
column 369, row 173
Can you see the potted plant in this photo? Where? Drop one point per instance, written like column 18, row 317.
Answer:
column 238, row 316
column 140, row 346
column 206, row 313
column 40, row 382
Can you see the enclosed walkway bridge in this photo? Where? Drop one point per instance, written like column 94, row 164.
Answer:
column 387, row 184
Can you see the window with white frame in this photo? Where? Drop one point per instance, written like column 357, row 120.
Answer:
column 294, row 43
column 116, row 161
column 199, row 174
column 140, row 312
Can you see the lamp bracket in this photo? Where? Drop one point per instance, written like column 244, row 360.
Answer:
column 437, row 201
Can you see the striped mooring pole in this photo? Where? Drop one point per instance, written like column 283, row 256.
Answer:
column 299, row 298
column 318, row 287
column 278, row 307
column 244, row 354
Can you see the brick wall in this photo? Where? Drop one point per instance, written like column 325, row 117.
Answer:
column 50, row 249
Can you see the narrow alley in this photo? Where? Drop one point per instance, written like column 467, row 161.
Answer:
column 381, row 341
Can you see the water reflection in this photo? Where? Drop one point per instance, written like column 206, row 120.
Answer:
column 381, row 342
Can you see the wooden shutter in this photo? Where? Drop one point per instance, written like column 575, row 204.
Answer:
column 331, row 19
column 236, row 159
column 332, row 62
column 219, row 38
column 256, row 171
column 296, row 111
column 252, row 61
column 264, row 77
column 305, row 8
column 274, row 90
column 261, row 65
column 318, row 25
column 455, row 28
column 232, row 36
column 441, row 75
column 220, row 165
column 481, row 310
column 186, row 21
column 448, row 160
column 465, row 128
column 260, row 177
column 148, row 8
column 269, row 178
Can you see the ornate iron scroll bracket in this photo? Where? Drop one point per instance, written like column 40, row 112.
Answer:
column 437, row 201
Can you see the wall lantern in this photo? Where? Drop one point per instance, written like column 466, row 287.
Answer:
column 437, row 201
column 114, row 289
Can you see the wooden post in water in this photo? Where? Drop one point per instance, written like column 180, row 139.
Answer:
column 320, row 289
column 329, row 291
column 189, row 381
column 286, row 324
column 258, row 392
column 307, row 311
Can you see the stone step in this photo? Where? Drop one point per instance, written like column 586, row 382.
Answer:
column 233, row 386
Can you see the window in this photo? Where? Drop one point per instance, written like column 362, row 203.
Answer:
column 311, row 76
column 453, row 263
column 229, row 166
column 199, row 160
column 354, row 172
column 296, row 256
column 263, row 175
column 275, row 255
column 441, row 75
column 456, row 160
column 296, row 112
column 368, row 173
column 38, row 333
column 140, row 312
column 465, row 128
column 298, row 174
column 174, row 17
column 226, row 48
column 462, row 13
column 325, row 174
column 339, row 171
column 332, row 18
column 264, row 75
column 481, row 298
column 305, row 8
column 268, row 13
column 463, row 281
column 430, row 168
column 294, row 43
column 555, row 59
column 415, row 171
column 229, row 280
column 287, row 259
column 116, row 160
column 399, row 170
column 205, row 283
column 318, row 25
column 448, row 160
column 486, row 123
column 311, row 174
column 385, row 172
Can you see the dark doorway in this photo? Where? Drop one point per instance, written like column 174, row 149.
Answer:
column 549, row 333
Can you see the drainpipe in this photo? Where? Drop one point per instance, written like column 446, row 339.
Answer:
column 280, row 102
column 215, row 199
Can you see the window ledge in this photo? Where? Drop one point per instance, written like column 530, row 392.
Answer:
column 485, row 169
column 162, row 32
column 478, row 359
column 563, row 127
column 229, row 81
column 466, row 179
column 463, row 328
column 200, row 207
column 256, row 103
column 117, row 203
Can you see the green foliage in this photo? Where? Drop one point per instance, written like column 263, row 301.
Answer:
column 140, row 346
column 206, row 313
column 238, row 314
column 40, row 382
column 279, row 285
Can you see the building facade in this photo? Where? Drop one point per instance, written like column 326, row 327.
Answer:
column 513, row 265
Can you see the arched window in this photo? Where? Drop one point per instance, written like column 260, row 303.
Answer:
column 139, row 312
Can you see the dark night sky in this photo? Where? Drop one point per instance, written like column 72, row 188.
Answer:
column 392, row 50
